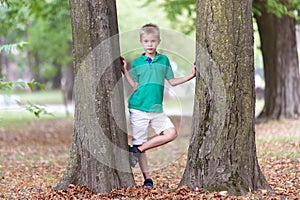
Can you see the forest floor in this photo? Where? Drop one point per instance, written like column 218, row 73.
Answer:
column 34, row 155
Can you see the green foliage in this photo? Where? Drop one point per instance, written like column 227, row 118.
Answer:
column 46, row 26
column 8, row 48
column 182, row 14
column 278, row 7
column 51, row 31
column 41, row 97
column 13, row 18
column 37, row 110
column 8, row 85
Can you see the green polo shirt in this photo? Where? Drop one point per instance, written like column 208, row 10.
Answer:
column 151, row 77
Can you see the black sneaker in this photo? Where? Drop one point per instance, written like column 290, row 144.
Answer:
column 134, row 154
column 148, row 183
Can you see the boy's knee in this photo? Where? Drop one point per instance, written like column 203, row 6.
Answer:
column 171, row 133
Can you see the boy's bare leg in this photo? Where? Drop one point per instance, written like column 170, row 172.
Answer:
column 144, row 165
column 165, row 137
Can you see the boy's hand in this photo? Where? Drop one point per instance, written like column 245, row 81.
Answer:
column 194, row 69
column 124, row 64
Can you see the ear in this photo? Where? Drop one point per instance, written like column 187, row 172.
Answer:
column 141, row 40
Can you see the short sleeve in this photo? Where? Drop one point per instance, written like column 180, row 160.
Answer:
column 169, row 71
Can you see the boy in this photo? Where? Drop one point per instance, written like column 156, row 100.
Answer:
column 145, row 104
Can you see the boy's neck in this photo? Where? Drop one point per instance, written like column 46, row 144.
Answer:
column 151, row 55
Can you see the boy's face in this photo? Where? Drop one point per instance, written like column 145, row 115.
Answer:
column 150, row 42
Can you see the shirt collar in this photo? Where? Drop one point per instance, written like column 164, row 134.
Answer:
column 157, row 56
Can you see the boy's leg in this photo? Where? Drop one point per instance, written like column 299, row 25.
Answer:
column 139, row 122
column 161, row 124
column 148, row 183
column 144, row 165
column 165, row 137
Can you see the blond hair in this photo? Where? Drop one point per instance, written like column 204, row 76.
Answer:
column 150, row 28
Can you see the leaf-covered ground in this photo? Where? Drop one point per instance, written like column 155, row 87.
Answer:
column 34, row 155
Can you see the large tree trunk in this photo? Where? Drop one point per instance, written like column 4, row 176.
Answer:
column 279, row 50
column 99, row 154
column 222, row 151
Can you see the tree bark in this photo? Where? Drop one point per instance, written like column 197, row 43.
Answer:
column 35, row 69
column 56, row 80
column 281, row 67
column 68, row 81
column 3, row 58
column 222, row 151
column 99, row 152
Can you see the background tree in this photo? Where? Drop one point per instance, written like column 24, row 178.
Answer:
column 182, row 14
column 50, row 40
column 222, row 151
column 45, row 25
column 99, row 157
column 11, row 29
column 281, row 66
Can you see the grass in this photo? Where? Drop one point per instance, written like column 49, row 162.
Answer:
column 37, row 97
column 16, row 117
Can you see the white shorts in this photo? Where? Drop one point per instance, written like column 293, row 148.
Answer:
column 140, row 120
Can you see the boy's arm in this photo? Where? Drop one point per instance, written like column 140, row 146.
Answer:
column 178, row 81
column 126, row 73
